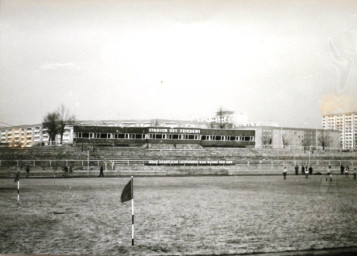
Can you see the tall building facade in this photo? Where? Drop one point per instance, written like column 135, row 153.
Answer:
column 24, row 136
column 21, row 136
column 346, row 123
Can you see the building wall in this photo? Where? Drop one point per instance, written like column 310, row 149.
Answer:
column 21, row 136
column 294, row 138
column 346, row 123
column 29, row 135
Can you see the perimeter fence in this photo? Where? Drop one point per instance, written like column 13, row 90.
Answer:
column 113, row 164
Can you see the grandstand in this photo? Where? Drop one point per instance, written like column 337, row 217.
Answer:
column 49, row 161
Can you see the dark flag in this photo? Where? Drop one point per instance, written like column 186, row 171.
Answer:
column 17, row 178
column 127, row 193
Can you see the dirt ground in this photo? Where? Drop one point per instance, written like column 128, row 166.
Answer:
column 180, row 216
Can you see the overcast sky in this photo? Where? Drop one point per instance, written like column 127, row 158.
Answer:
column 282, row 61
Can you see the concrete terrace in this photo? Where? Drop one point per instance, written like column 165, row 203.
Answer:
column 125, row 161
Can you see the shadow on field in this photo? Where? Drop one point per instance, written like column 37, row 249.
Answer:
column 331, row 251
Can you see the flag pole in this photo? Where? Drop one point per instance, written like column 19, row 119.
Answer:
column 18, row 192
column 132, row 211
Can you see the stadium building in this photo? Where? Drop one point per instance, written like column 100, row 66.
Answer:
column 94, row 132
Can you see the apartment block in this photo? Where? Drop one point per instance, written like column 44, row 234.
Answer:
column 346, row 123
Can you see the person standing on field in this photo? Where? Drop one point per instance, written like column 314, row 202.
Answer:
column 284, row 173
column 302, row 170
column 296, row 170
column 310, row 170
column 306, row 173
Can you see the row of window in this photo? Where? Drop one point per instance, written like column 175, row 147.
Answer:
column 159, row 136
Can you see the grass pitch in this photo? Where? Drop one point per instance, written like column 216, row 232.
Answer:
column 178, row 215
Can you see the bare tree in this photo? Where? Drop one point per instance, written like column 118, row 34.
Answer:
column 221, row 124
column 285, row 140
column 65, row 118
column 324, row 139
column 305, row 143
column 50, row 122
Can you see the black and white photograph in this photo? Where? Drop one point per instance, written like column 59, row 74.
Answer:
column 183, row 127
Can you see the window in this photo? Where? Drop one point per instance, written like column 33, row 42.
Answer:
column 191, row 137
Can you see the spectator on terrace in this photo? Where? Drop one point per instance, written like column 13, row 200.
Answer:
column 65, row 170
column 284, row 173
column 70, row 169
column 101, row 173
column 296, row 170
column 27, row 171
column 302, row 170
column 310, row 170
column 346, row 170
column 342, row 169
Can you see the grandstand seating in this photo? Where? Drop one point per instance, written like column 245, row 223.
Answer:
column 124, row 160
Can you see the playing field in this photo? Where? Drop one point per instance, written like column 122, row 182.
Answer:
column 178, row 215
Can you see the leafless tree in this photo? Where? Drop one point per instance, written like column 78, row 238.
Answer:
column 324, row 139
column 50, row 122
column 285, row 140
column 56, row 122
column 221, row 124
column 65, row 118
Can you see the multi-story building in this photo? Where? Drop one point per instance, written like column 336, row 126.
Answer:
column 346, row 123
column 24, row 136
column 21, row 136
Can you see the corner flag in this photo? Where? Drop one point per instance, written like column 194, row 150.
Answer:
column 127, row 195
column 128, row 192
